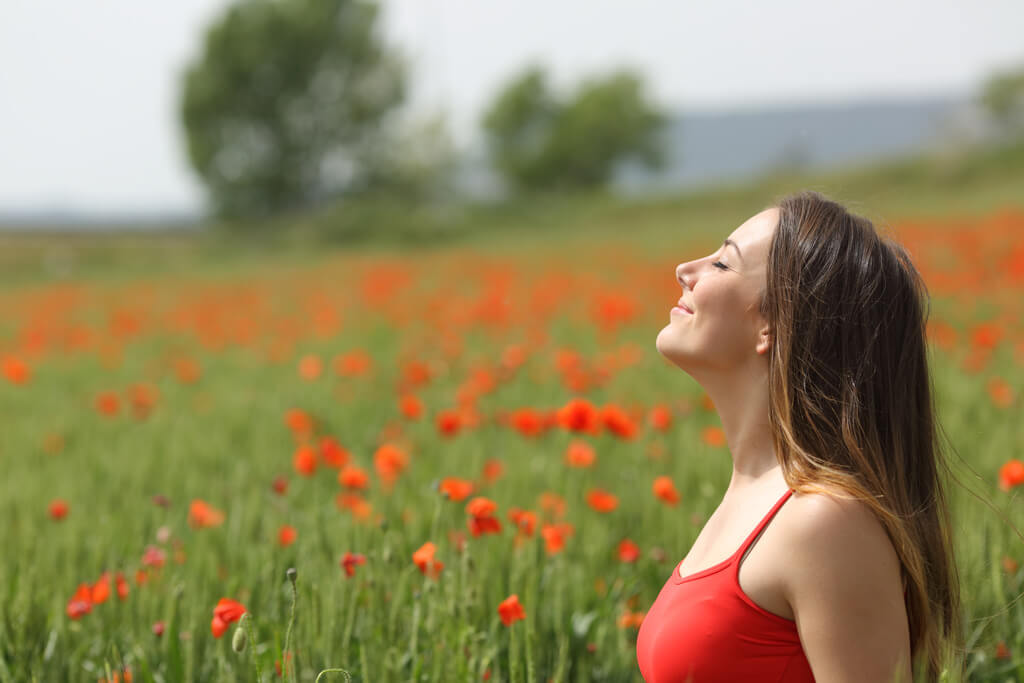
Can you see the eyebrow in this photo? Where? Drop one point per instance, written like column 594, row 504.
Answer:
column 729, row 241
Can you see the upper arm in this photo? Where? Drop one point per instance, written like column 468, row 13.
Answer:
column 845, row 588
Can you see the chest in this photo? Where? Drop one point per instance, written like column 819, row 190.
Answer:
column 762, row 571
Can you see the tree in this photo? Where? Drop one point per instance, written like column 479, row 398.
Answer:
column 288, row 104
column 1003, row 98
column 538, row 142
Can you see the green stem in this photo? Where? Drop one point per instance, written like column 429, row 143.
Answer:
column 285, row 667
column 245, row 622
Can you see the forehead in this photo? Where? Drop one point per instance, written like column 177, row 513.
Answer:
column 757, row 228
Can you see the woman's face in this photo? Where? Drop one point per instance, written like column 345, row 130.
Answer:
column 722, row 328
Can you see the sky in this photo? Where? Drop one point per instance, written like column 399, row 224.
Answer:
column 89, row 91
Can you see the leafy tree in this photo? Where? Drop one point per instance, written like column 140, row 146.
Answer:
column 1003, row 97
column 288, row 104
column 537, row 142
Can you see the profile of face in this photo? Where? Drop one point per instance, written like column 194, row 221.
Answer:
column 716, row 326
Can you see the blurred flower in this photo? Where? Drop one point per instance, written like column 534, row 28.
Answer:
column 457, row 489
column 601, row 501
column 81, row 602
column 510, row 610
column 424, row 559
column 304, row 461
column 202, row 515
column 286, row 535
column 579, row 454
column 350, row 561
column 226, row 612
column 713, row 436
column 58, row 509
column 279, row 485
column 628, row 551
column 353, row 477
column 1011, row 474
column 333, row 453
column 665, row 490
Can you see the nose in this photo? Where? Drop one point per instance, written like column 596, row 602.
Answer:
column 684, row 275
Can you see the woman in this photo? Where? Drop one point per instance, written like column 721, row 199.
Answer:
column 829, row 558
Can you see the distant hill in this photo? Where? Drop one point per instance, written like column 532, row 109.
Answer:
column 711, row 147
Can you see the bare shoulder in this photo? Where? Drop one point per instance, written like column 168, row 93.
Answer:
column 843, row 582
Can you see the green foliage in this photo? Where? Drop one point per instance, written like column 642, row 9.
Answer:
column 1003, row 97
column 537, row 141
column 286, row 105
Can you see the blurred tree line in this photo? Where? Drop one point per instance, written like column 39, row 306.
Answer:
column 297, row 103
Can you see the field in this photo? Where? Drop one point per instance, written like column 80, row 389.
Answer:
column 405, row 427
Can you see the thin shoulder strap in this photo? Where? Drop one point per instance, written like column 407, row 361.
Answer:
column 767, row 518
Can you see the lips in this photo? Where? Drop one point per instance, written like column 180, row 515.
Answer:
column 680, row 304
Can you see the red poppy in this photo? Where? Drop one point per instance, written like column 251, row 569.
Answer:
column 579, row 415
column 101, row 589
column 615, row 419
column 602, row 501
column 457, row 489
column 310, row 367
column 108, row 403
column 286, row 535
column 280, row 485
column 660, row 417
column 226, row 612
column 713, row 436
column 58, row 509
column 350, row 561
column 16, row 370
column 493, row 470
column 665, row 490
column 154, row 557
column 304, row 461
column 579, row 454
column 510, row 610
column 202, row 515
column 524, row 520
column 410, row 406
column 81, row 602
column 424, row 559
column 122, row 586
column 528, row 421
column 1011, row 474
column 299, row 422
column 333, row 453
column 555, row 535
column 389, row 461
column 353, row 477
column 482, row 521
column 628, row 551
column 448, row 422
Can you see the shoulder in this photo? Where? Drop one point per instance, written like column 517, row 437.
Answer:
column 843, row 582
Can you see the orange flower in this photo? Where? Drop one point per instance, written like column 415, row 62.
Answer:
column 713, row 436
column 628, row 551
column 524, row 520
column 122, row 586
column 410, row 406
column 457, row 489
column 186, row 370
column 617, row 421
column 101, row 589
column 333, row 453
column 108, row 403
column 986, row 336
column 527, row 421
column 58, row 509
column 310, row 367
column 353, row 477
column 553, row 504
column 631, row 619
column 579, row 415
column 350, row 561
column 555, row 535
column 448, row 422
column 80, row 603
column 665, row 490
column 510, row 610
column 202, row 515
column 286, row 535
column 299, row 422
column 354, row 503
column 142, row 398
column 601, row 501
column 16, row 370
column 1000, row 392
column 1011, row 474
column 579, row 454
column 304, row 461
column 493, row 470
column 226, row 612
column 660, row 417
column 356, row 362
column 389, row 461
column 482, row 520
column 424, row 559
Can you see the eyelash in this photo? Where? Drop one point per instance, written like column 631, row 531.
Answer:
column 719, row 264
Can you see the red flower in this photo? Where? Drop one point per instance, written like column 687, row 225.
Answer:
column 333, row 453
column 457, row 489
column 81, row 602
column 101, row 589
column 660, row 417
column 510, row 610
column 286, row 535
column 226, row 612
column 528, row 421
column 448, row 422
column 280, row 485
column 617, row 421
column 579, row 454
column 108, row 403
column 555, row 535
column 58, row 509
column 202, row 514
column 352, row 477
column 389, row 461
column 666, row 490
column 1011, row 474
column 482, row 520
column 628, row 551
column 713, row 436
column 16, row 370
column 304, row 461
column 410, row 406
column 158, row 628
column 122, row 586
column 154, row 557
column 493, row 469
column 350, row 561
column 579, row 415
column 424, row 559
column 601, row 500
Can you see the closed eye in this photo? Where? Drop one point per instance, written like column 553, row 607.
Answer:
column 719, row 264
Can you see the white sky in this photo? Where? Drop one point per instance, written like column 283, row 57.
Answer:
column 89, row 89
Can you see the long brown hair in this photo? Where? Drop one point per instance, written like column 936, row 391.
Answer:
column 852, row 401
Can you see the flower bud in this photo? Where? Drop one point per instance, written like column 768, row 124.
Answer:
column 292, row 574
column 238, row 640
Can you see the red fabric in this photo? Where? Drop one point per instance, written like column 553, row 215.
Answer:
column 703, row 628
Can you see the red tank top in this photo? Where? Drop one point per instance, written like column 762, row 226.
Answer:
column 703, row 628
